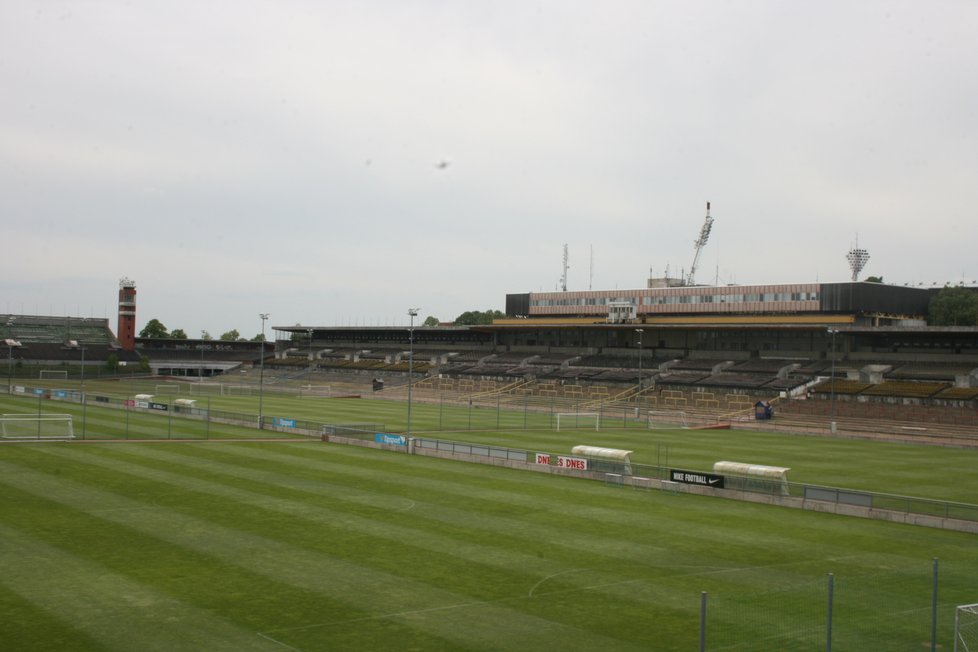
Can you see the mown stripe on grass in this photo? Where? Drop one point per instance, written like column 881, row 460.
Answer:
column 489, row 562
column 464, row 621
column 26, row 627
column 107, row 607
column 632, row 582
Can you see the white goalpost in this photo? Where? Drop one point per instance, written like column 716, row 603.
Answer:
column 966, row 628
column 667, row 419
column 22, row 427
column 315, row 390
column 239, row 390
column 168, row 388
column 50, row 373
column 207, row 389
column 578, row 420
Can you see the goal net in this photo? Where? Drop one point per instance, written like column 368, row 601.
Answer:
column 667, row 419
column 966, row 628
column 578, row 420
column 207, row 389
column 168, row 388
column 48, row 373
column 315, row 390
column 239, row 390
column 36, row 426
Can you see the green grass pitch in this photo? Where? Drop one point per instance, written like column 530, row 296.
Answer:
column 222, row 545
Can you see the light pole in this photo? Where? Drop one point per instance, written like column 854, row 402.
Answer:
column 200, row 374
column 11, row 343
column 639, row 331
column 412, row 312
column 84, row 404
column 81, row 345
column 261, row 367
column 832, row 332
column 309, row 330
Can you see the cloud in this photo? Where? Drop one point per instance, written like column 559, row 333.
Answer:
column 249, row 156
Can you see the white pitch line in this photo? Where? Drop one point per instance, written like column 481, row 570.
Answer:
column 548, row 577
column 410, row 612
column 277, row 642
column 460, row 605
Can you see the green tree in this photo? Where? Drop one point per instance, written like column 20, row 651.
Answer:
column 204, row 335
column 112, row 362
column 155, row 329
column 953, row 306
column 231, row 336
column 477, row 318
column 144, row 364
column 297, row 336
column 874, row 279
column 431, row 321
column 178, row 334
column 258, row 338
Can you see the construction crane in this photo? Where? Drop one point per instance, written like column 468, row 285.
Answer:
column 699, row 244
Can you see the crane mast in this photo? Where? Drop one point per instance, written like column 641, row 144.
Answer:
column 699, row 244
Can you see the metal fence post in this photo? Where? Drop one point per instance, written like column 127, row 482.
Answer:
column 526, row 405
column 828, row 614
column 933, row 611
column 703, row 621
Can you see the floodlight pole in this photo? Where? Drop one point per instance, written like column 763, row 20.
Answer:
column 832, row 332
column 200, row 374
column 261, row 372
column 84, row 404
column 11, row 343
column 81, row 345
column 639, row 331
column 309, row 330
column 412, row 313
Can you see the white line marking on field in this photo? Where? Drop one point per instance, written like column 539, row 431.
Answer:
column 548, row 577
column 410, row 612
column 277, row 642
column 448, row 607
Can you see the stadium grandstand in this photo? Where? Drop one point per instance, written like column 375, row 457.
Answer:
column 840, row 349
column 810, row 348
column 33, row 340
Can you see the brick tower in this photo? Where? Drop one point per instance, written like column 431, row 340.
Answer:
column 127, row 314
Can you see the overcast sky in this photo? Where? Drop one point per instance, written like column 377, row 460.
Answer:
column 336, row 163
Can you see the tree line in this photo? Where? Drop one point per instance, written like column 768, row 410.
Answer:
column 156, row 330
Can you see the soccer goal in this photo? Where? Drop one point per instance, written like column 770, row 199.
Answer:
column 207, row 389
column 966, row 628
column 45, row 374
column 239, row 390
column 578, row 420
column 168, row 388
column 667, row 419
column 22, row 427
column 315, row 390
